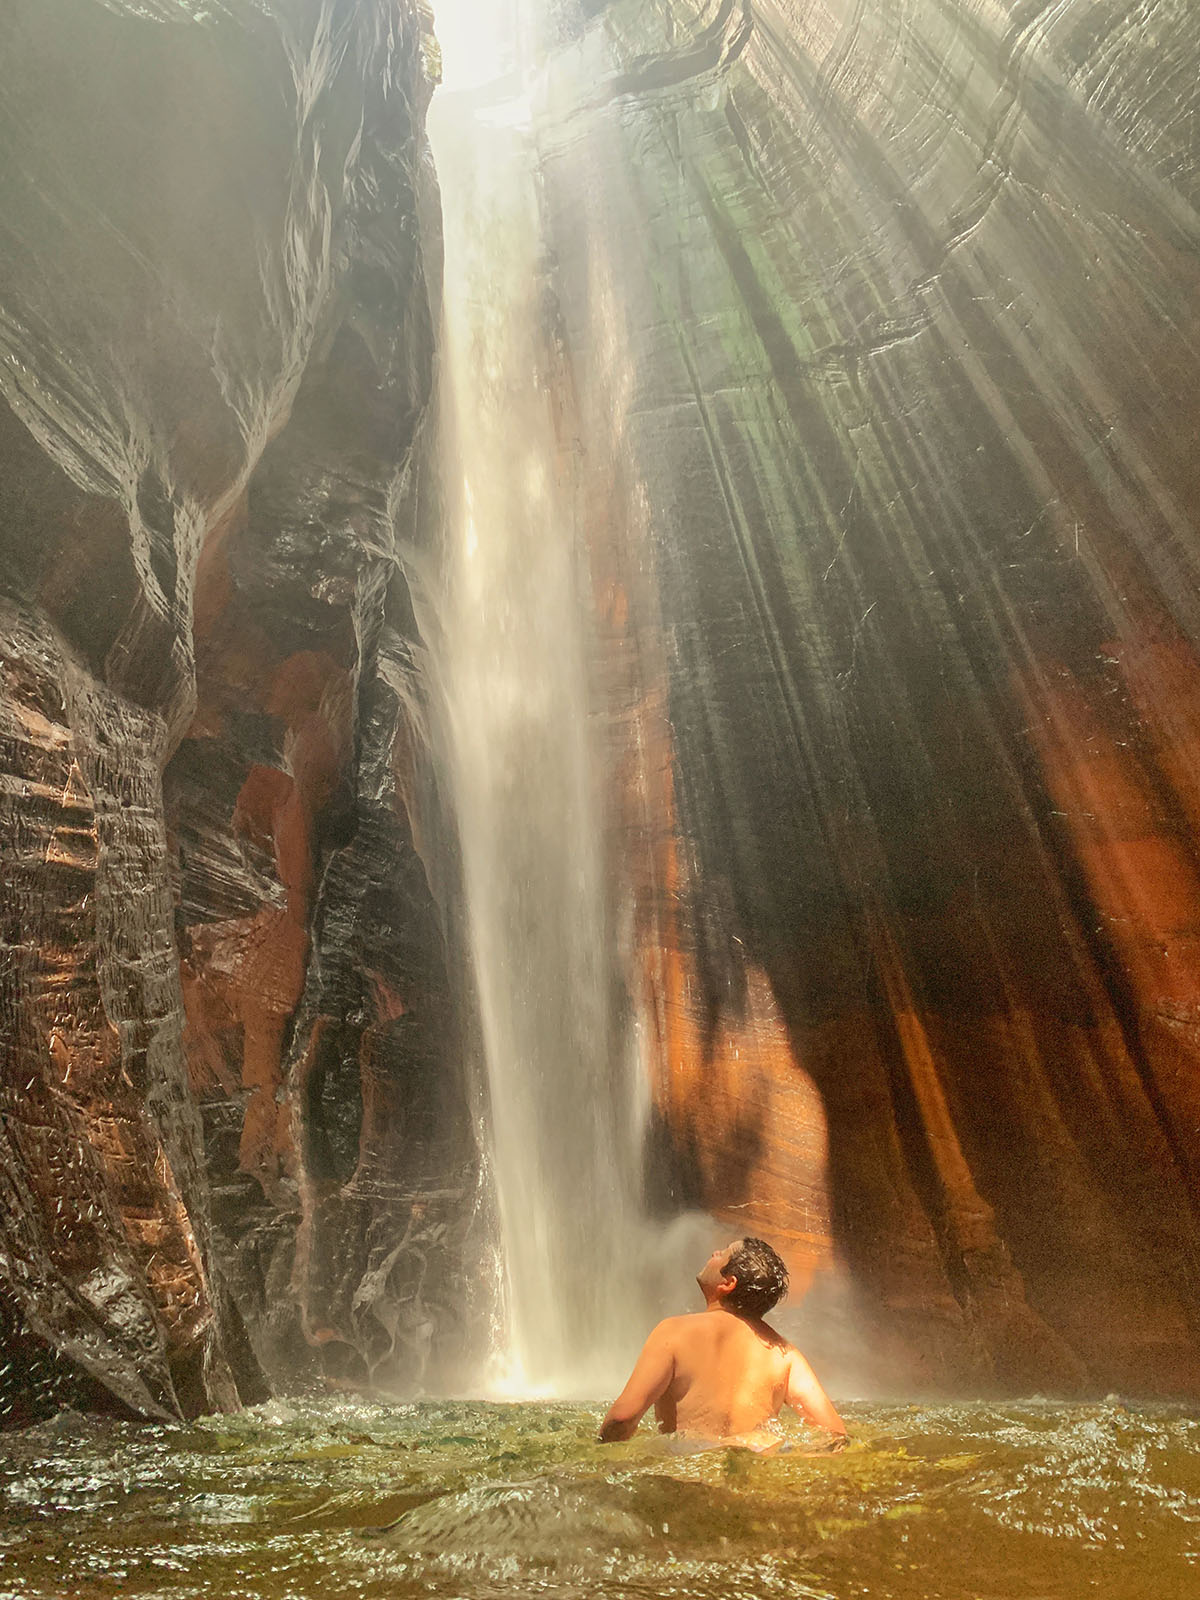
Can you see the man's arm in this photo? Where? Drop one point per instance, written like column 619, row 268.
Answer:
column 648, row 1381
column 805, row 1395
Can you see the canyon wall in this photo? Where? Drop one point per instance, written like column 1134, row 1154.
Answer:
column 882, row 322
column 875, row 329
column 234, row 1132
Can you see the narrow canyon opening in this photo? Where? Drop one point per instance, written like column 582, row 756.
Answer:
column 599, row 656
column 596, row 659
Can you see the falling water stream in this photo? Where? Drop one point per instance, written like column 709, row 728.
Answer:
column 561, row 1107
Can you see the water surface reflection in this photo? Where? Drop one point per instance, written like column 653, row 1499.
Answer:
column 328, row 1500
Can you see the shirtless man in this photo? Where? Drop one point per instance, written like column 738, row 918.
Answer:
column 721, row 1373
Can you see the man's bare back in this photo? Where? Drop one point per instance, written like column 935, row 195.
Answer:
column 718, row 1374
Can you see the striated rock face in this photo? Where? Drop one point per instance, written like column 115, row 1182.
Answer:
column 883, row 326
column 221, row 969
column 871, row 333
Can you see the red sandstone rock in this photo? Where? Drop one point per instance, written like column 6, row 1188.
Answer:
column 216, row 359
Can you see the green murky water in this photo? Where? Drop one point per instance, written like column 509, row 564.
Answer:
column 1026, row 1501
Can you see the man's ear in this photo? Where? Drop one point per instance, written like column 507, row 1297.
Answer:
column 727, row 1285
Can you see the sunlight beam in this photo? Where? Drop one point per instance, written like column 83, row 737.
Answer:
column 478, row 39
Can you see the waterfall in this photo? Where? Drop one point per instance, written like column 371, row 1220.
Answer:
column 561, row 1124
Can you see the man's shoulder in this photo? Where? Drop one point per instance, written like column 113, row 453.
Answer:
column 683, row 1320
column 678, row 1327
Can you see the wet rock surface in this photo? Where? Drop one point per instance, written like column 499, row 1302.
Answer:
column 882, row 323
column 222, row 968
column 873, row 334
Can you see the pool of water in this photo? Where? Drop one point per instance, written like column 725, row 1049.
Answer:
column 330, row 1500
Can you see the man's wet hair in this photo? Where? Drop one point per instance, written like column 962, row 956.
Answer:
column 762, row 1278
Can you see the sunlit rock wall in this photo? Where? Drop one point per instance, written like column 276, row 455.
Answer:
column 221, row 969
column 883, row 321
